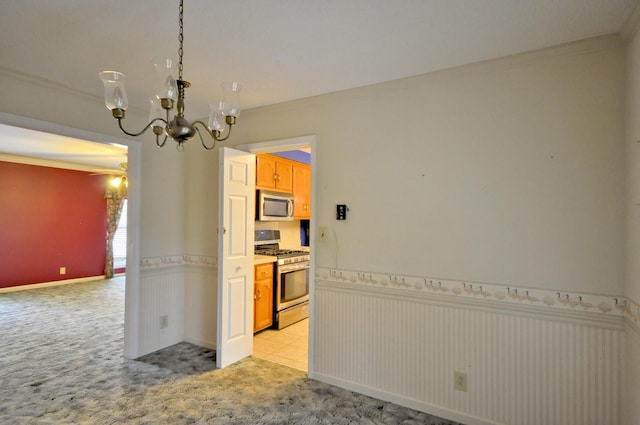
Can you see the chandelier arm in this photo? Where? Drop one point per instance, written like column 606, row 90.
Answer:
column 214, row 133
column 225, row 137
column 201, row 139
column 211, row 133
column 143, row 130
column 160, row 145
column 178, row 128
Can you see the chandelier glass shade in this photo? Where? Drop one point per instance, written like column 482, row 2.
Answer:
column 169, row 92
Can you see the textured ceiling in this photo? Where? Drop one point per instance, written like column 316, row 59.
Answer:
column 283, row 50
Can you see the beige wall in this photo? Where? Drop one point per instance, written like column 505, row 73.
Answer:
column 508, row 172
column 154, row 293
column 632, row 157
column 632, row 196
column 162, row 177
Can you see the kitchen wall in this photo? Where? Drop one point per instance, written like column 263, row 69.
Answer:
column 486, row 224
column 50, row 218
column 289, row 232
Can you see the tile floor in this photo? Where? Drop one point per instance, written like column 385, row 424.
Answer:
column 288, row 346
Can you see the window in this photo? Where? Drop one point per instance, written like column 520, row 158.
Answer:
column 120, row 241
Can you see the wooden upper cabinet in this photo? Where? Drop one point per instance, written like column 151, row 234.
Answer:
column 265, row 171
column 302, row 191
column 284, row 182
column 285, row 175
column 274, row 173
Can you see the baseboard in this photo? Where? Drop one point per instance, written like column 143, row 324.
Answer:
column 201, row 343
column 403, row 401
column 49, row 284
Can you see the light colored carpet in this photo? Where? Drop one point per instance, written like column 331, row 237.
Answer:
column 61, row 363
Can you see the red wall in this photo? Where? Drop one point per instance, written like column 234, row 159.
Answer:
column 50, row 218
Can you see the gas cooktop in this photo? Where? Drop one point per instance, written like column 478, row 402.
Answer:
column 276, row 252
column 267, row 243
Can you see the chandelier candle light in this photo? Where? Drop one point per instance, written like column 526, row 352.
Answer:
column 168, row 90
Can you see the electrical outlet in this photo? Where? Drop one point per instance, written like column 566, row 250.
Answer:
column 460, row 381
column 164, row 322
column 322, row 234
column 63, row 270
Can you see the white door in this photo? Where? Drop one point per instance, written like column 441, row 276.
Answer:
column 235, row 256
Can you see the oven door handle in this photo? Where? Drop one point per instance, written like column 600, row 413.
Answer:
column 290, row 208
column 293, row 267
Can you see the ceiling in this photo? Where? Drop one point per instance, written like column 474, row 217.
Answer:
column 282, row 50
column 35, row 147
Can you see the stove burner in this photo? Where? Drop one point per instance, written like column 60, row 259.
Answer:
column 280, row 252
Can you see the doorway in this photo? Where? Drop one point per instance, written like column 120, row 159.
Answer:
column 132, row 291
column 292, row 344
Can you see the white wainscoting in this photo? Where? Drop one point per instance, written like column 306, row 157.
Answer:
column 631, row 406
column 183, row 288
column 526, row 365
column 161, row 294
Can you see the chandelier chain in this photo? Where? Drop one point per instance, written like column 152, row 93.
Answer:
column 179, row 128
column 181, row 40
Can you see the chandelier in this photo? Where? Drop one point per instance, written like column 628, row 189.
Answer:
column 169, row 90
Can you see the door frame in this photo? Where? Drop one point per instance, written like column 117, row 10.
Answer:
column 280, row 145
column 134, row 159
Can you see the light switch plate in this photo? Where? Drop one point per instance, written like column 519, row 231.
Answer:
column 341, row 212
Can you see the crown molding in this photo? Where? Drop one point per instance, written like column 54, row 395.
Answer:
column 54, row 164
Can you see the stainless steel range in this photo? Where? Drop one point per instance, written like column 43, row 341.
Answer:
column 291, row 289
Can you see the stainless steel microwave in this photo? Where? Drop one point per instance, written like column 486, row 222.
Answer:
column 274, row 206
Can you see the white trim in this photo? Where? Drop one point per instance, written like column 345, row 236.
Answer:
column 418, row 405
column 201, row 343
column 132, row 289
column 632, row 332
column 602, row 310
column 29, row 286
column 56, row 164
column 280, row 145
column 591, row 319
column 288, row 144
column 168, row 261
column 632, row 315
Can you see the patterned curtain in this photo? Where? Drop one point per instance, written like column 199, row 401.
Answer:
column 115, row 196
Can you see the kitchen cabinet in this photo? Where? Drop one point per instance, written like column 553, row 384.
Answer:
column 263, row 296
column 302, row 191
column 274, row 173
